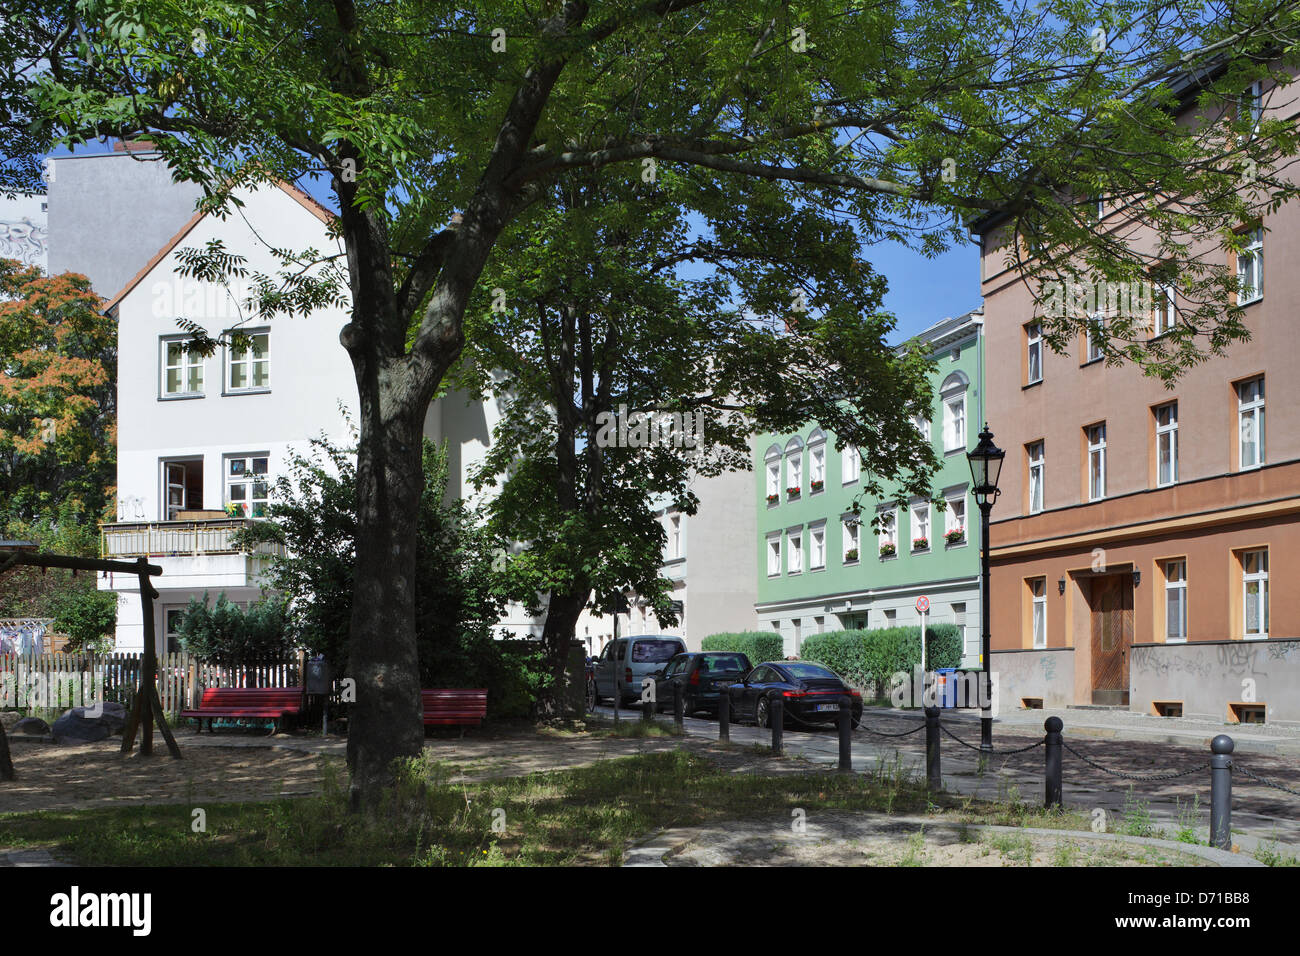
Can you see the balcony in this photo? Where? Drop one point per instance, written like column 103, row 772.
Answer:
column 154, row 539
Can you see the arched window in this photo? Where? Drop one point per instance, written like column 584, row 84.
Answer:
column 794, row 467
column 952, row 396
column 772, row 459
column 816, row 461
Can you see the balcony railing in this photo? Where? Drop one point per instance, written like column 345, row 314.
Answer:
column 189, row 538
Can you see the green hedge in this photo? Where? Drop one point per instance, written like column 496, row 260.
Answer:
column 873, row 656
column 758, row 646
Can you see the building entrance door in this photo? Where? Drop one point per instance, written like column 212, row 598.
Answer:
column 1111, row 610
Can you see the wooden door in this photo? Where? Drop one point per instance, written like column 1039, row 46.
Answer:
column 1111, row 603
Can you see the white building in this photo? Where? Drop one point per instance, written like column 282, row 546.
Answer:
column 202, row 440
column 24, row 230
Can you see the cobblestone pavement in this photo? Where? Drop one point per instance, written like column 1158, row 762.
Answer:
column 1259, row 813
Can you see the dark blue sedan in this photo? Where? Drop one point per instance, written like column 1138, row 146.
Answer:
column 810, row 693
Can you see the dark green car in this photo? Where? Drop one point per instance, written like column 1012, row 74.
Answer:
column 703, row 676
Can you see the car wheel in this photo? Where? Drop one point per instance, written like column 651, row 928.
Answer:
column 761, row 715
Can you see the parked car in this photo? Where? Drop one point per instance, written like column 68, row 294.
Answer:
column 703, row 676
column 624, row 663
column 810, row 693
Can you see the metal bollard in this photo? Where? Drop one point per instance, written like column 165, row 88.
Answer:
column 724, row 715
column 933, row 773
column 1052, row 777
column 845, row 722
column 679, row 705
column 776, row 715
column 1221, row 792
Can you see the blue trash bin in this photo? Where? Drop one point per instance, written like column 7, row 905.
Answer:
column 945, row 690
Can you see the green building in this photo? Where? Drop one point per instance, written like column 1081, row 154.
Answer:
column 819, row 570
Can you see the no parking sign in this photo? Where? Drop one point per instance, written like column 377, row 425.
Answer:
column 922, row 608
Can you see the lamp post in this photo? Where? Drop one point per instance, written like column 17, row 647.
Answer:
column 985, row 469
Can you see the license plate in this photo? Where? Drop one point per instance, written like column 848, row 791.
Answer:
column 828, row 707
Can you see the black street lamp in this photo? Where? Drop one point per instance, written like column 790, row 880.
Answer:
column 985, row 469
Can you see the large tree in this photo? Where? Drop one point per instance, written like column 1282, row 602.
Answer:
column 436, row 125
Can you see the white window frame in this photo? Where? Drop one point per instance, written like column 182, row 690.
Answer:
column 1034, row 350
column 794, row 550
column 189, row 363
column 922, row 425
column 919, row 517
column 816, row 467
column 850, row 539
column 1252, row 99
column 817, row 547
column 887, row 533
column 1165, row 305
column 228, row 480
column 950, row 521
column 245, row 358
column 774, row 477
column 774, row 554
column 674, row 537
column 794, row 471
column 1250, row 269
column 1176, row 589
column 1250, row 419
column 850, row 465
column 1167, row 438
column 954, row 422
column 1258, row 577
column 1096, row 461
column 1038, row 617
column 1037, row 476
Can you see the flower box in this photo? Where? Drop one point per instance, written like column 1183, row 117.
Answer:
column 851, row 554
column 920, row 544
column 792, row 492
column 955, row 535
column 817, row 486
column 773, row 499
column 888, row 550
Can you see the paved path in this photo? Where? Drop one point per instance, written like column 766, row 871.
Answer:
column 1259, row 813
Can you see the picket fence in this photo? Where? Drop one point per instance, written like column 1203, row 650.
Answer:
column 59, row 681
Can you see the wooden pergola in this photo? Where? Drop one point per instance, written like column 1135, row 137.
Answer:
column 147, row 709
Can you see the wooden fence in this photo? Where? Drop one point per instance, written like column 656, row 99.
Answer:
column 60, row 681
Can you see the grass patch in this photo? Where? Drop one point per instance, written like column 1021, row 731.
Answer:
column 580, row 816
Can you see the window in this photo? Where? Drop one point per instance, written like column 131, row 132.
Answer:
column 1038, row 591
column 794, row 541
column 1034, row 352
column 247, row 485
column 1250, row 268
column 850, row 464
column 817, row 467
column 817, row 548
column 1175, row 601
column 1096, row 333
column 1096, row 461
column 1255, row 592
column 1167, row 444
column 953, row 396
column 1035, row 454
column 1250, row 421
column 182, row 371
column 774, row 475
column 793, row 468
column 888, row 534
column 674, row 537
column 920, row 525
column 773, row 555
column 954, row 525
column 1165, row 312
column 182, row 486
column 171, row 630
column 1254, row 566
column 849, row 527
column 1250, row 106
column 250, row 368
column 922, row 425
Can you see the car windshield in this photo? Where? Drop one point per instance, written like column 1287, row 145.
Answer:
column 654, row 652
column 723, row 662
column 801, row 669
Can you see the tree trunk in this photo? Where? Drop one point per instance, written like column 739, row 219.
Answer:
column 387, row 723
column 561, row 619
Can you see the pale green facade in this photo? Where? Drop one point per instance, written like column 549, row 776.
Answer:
column 808, row 578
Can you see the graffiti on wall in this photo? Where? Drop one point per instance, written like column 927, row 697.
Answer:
column 24, row 240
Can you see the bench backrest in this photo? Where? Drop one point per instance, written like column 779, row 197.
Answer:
column 252, row 697
column 454, row 699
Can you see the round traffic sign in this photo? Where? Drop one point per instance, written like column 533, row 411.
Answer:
column 922, row 604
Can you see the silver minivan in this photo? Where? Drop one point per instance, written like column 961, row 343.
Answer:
column 626, row 662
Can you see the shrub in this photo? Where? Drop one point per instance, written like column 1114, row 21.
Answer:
column 87, row 616
column 756, row 645
column 228, row 632
column 873, row 656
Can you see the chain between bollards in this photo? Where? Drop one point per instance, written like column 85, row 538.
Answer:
column 776, row 716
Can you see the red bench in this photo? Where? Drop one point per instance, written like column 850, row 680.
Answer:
column 454, row 706
column 267, row 703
